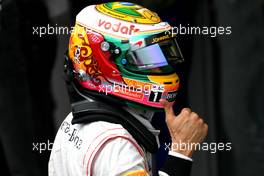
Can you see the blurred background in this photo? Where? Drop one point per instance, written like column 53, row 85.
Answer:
column 222, row 80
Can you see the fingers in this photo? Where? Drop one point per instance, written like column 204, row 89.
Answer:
column 186, row 111
column 167, row 108
column 186, row 114
column 205, row 128
column 199, row 125
column 190, row 116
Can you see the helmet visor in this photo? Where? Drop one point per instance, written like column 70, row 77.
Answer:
column 156, row 58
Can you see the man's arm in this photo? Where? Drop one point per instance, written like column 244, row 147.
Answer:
column 186, row 128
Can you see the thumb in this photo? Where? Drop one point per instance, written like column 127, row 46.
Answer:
column 168, row 109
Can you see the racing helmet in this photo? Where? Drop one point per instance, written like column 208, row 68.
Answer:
column 123, row 50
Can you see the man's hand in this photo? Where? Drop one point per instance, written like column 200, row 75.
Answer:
column 186, row 128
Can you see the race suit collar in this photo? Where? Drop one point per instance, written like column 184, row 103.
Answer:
column 140, row 128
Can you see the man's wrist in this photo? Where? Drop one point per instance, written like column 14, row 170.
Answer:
column 186, row 153
column 177, row 147
column 179, row 155
column 176, row 166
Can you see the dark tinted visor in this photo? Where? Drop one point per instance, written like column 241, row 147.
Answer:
column 156, row 58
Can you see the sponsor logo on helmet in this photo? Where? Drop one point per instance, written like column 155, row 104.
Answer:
column 117, row 27
column 139, row 43
column 171, row 96
column 158, row 39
